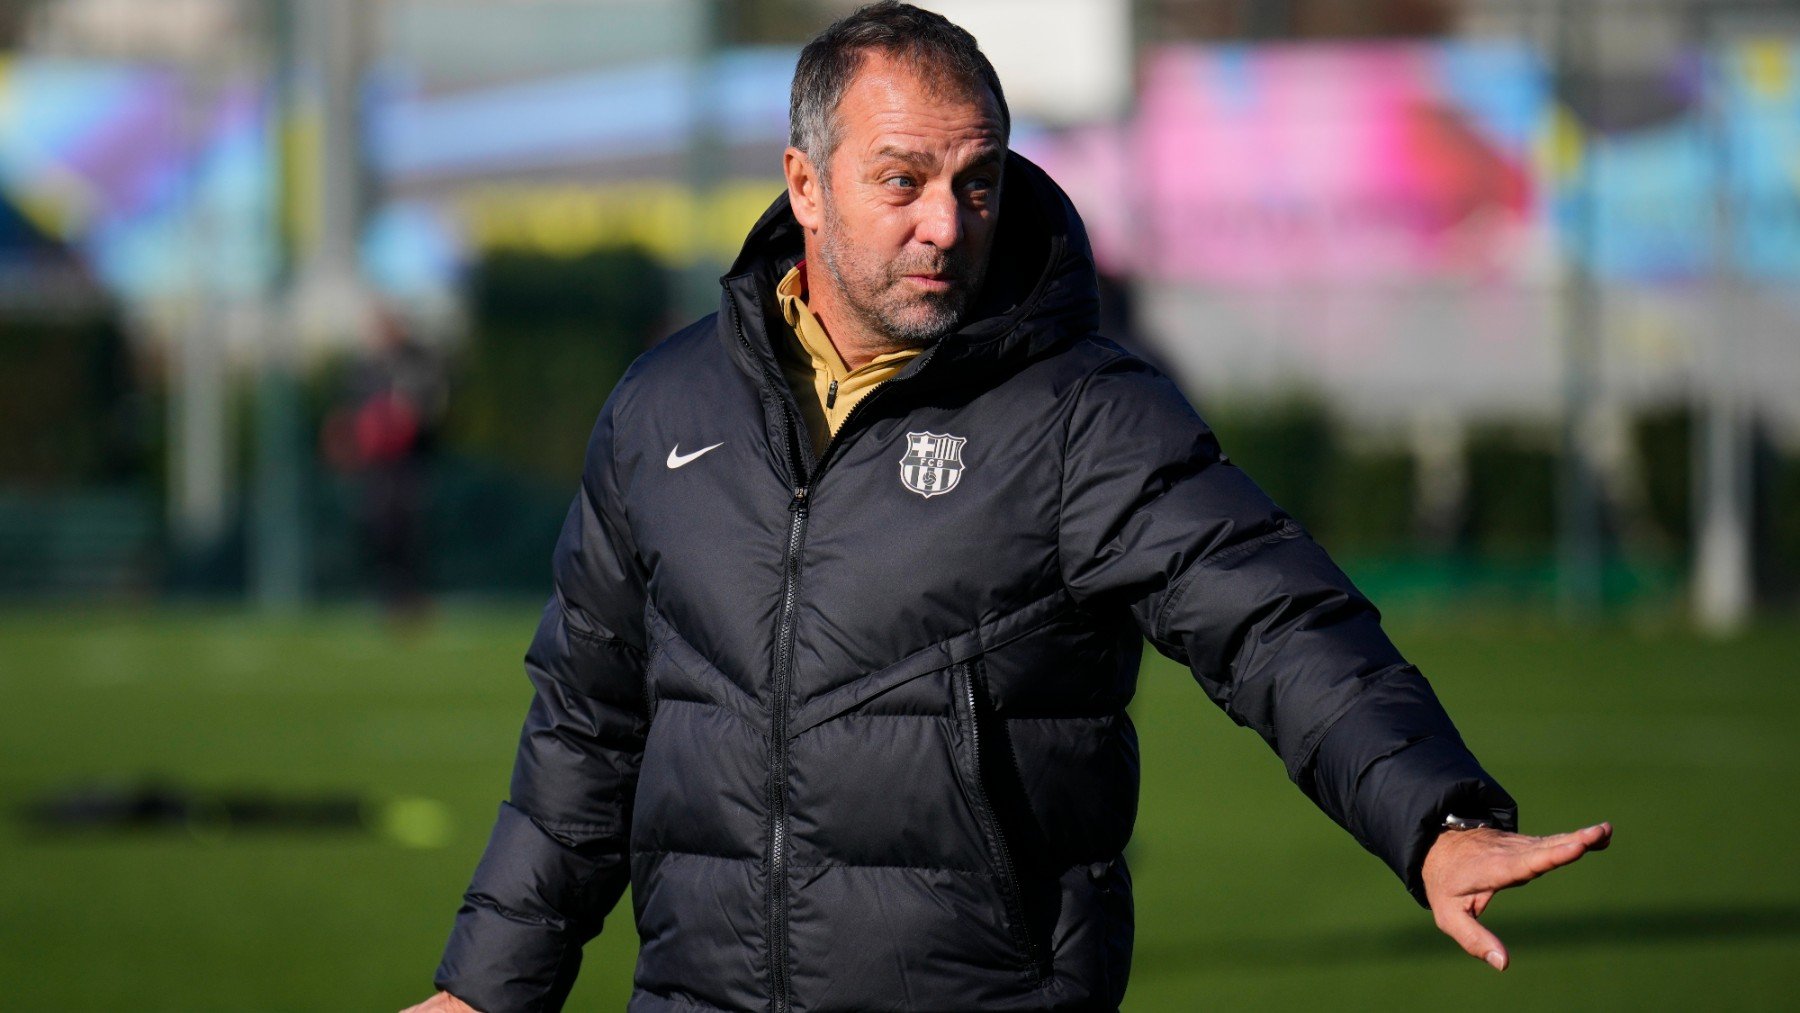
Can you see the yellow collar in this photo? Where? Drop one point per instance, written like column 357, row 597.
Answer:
column 824, row 388
column 791, row 294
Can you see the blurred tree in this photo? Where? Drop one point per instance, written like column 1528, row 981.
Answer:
column 1356, row 502
column 1373, row 497
column 13, row 17
column 1777, row 519
column 1166, row 20
column 1664, row 446
column 550, row 337
column 69, row 404
column 1287, row 447
column 769, row 22
column 1336, row 19
column 1512, row 491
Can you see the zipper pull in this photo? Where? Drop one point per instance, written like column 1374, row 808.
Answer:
column 831, row 395
column 798, row 503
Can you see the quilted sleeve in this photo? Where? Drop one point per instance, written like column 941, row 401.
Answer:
column 557, row 860
column 1156, row 519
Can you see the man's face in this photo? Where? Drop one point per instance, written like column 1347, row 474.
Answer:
column 909, row 201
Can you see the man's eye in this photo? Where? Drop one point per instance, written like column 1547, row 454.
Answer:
column 979, row 189
column 900, row 182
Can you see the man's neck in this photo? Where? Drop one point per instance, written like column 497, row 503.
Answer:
column 857, row 345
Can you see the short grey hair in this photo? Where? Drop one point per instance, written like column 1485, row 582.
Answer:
column 830, row 61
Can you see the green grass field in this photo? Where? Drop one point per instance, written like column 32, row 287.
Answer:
column 1247, row 897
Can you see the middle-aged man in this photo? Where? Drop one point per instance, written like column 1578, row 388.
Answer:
column 851, row 601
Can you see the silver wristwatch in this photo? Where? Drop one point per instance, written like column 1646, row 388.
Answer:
column 1466, row 823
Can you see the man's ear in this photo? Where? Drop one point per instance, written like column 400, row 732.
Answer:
column 805, row 189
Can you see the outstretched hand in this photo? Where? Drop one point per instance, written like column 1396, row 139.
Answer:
column 1465, row 868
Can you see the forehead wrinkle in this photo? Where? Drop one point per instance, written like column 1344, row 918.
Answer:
column 896, row 114
column 915, row 135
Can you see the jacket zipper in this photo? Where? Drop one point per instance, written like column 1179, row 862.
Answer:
column 857, row 410
column 778, row 814
column 804, row 478
column 779, row 987
column 1011, row 895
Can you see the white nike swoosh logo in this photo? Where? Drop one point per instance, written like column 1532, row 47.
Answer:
column 677, row 459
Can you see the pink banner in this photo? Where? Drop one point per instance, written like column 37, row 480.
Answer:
column 1333, row 163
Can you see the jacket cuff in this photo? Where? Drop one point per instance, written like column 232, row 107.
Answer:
column 1393, row 766
column 516, row 944
column 499, row 964
column 1410, row 793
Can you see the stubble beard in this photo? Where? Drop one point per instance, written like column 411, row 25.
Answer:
column 877, row 293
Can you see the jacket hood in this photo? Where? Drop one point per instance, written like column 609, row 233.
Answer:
column 1040, row 292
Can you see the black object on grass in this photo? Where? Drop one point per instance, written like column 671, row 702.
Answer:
column 211, row 813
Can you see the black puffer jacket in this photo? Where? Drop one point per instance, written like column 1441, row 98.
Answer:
column 854, row 729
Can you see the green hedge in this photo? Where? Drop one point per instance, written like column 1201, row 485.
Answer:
column 549, row 338
column 72, row 409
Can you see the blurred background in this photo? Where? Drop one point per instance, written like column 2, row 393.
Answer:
column 307, row 308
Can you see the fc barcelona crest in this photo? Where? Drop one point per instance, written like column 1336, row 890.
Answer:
column 933, row 463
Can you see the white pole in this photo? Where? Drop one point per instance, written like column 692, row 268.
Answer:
column 1723, row 578
column 199, row 481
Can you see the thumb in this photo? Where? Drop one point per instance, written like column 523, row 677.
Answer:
column 1473, row 937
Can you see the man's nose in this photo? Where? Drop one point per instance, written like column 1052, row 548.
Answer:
column 940, row 218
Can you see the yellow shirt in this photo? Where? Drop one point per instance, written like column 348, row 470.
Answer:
column 824, row 386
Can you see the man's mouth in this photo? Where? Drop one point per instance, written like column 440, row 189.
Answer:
column 932, row 281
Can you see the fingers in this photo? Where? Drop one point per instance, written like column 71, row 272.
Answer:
column 1559, row 850
column 1594, row 838
column 1473, row 937
column 1464, row 877
column 1542, row 859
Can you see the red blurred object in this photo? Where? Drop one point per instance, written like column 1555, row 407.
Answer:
column 386, row 428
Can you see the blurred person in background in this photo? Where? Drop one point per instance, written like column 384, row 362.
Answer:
column 852, row 599
column 382, row 435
